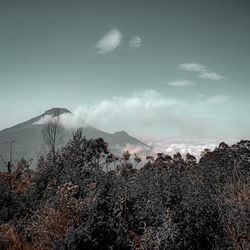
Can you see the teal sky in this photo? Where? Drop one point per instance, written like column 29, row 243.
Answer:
column 157, row 68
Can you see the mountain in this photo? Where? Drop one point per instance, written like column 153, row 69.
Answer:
column 30, row 122
column 28, row 142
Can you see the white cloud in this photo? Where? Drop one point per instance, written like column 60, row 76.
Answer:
column 211, row 76
column 183, row 146
column 170, row 147
column 192, row 67
column 135, row 42
column 149, row 112
column 181, row 83
column 139, row 104
column 67, row 120
column 205, row 73
column 146, row 112
column 218, row 99
column 44, row 120
column 72, row 121
column 109, row 42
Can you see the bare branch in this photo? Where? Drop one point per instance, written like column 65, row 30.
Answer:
column 52, row 132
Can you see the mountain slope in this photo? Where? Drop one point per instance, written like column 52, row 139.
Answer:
column 28, row 142
column 25, row 124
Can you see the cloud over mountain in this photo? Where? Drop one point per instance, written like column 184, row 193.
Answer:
column 67, row 120
column 146, row 111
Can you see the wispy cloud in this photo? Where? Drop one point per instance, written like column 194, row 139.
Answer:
column 67, row 120
column 211, row 76
column 192, row 67
column 135, row 42
column 204, row 72
column 109, row 42
column 180, row 83
column 218, row 99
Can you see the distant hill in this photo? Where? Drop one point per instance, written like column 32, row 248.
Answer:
column 28, row 141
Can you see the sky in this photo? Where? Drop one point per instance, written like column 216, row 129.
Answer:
column 159, row 69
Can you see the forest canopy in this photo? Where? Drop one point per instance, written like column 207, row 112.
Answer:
column 84, row 197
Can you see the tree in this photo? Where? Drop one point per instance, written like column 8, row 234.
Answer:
column 8, row 164
column 52, row 132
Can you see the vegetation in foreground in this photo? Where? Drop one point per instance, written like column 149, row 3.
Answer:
column 82, row 197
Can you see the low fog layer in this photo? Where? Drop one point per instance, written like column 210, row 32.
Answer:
column 170, row 147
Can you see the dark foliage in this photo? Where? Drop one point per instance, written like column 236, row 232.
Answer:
column 83, row 197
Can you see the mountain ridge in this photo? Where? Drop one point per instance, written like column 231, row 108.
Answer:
column 51, row 111
column 28, row 142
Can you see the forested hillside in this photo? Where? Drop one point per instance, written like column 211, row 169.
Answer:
column 86, row 198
